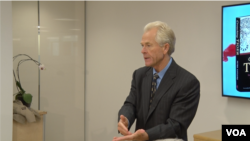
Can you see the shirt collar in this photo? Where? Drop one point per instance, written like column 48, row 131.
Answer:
column 162, row 72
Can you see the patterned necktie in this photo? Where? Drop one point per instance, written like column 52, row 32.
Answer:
column 153, row 89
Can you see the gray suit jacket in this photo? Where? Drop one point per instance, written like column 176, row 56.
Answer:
column 174, row 105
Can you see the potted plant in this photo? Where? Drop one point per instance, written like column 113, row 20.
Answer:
column 21, row 95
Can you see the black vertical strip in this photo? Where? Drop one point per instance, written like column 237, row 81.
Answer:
column 237, row 36
column 222, row 29
column 237, row 43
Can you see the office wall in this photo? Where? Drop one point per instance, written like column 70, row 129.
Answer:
column 6, row 71
column 114, row 31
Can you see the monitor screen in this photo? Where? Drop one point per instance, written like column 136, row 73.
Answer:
column 236, row 50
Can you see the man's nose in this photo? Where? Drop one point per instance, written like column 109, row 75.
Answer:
column 143, row 50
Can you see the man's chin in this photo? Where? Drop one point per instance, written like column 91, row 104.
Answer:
column 148, row 65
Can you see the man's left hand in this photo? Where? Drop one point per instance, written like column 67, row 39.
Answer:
column 139, row 135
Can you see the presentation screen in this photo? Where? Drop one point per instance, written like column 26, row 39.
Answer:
column 236, row 50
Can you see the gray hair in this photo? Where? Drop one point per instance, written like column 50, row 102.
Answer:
column 164, row 34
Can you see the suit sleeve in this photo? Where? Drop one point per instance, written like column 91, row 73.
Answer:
column 182, row 113
column 128, row 109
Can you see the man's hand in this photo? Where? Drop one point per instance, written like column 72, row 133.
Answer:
column 123, row 126
column 139, row 135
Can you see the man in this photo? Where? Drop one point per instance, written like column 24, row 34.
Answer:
column 164, row 97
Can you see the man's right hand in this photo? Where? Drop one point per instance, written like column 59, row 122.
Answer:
column 123, row 126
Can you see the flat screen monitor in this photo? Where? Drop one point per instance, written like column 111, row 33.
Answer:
column 236, row 50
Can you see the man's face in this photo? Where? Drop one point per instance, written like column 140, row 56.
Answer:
column 152, row 52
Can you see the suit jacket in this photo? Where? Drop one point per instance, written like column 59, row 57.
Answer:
column 173, row 108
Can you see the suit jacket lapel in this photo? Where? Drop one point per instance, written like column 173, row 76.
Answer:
column 165, row 84
column 146, row 85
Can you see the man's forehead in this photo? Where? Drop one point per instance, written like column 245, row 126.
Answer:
column 147, row 39
column 146, row 42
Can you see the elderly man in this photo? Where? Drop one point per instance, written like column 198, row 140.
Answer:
column 163, row 97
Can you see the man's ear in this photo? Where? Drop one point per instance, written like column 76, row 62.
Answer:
column 166, row 48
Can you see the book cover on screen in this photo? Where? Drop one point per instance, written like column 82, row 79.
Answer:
column 243, row 54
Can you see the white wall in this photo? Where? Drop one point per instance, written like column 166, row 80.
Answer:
column 114, row 31
column 6, row 71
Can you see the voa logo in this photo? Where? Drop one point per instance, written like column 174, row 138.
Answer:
column 235, row 132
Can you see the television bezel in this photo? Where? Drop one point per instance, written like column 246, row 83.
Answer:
column 248, row 3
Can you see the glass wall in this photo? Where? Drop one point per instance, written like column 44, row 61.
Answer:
column 52, row 32
column 25, row 33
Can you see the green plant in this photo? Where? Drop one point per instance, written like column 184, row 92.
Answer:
column 26, row 98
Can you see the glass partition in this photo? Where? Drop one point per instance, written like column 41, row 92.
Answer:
column 52, row 32
column 25, row 34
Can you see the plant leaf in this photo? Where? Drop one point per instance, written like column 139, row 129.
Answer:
column 19, row 86
column 27, row 98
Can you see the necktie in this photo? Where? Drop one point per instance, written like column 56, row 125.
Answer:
column 153, row 89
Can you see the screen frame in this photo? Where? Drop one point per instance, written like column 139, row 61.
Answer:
column 222, row 88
